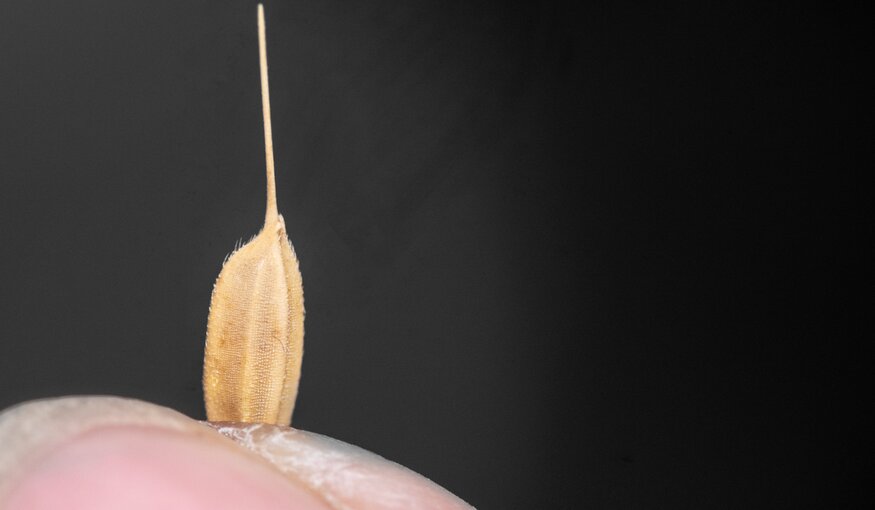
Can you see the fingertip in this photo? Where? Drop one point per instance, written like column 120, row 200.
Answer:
column 147, row 468
column 346, row 476
column 106, row 452
column 105, row 449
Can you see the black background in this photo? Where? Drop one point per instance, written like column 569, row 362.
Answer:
column 553, row 257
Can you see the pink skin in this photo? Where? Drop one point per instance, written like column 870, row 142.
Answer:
column 147, row 469
column 106, row 452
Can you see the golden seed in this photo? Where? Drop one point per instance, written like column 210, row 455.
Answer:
column 255, row 330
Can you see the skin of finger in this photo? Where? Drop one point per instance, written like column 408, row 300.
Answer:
column 347, row 477
column 143, row 468
column 37, row 436
column 31, row 430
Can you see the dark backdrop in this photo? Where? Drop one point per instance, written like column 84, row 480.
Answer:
column 553, row 257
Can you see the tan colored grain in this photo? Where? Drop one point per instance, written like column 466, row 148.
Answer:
column 255, row 331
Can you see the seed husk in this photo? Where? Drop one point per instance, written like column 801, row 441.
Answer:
column 255, row 330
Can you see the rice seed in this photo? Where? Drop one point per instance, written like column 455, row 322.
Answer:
column 255, row 330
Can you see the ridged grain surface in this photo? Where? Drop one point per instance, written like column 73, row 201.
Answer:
column 255, row 333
